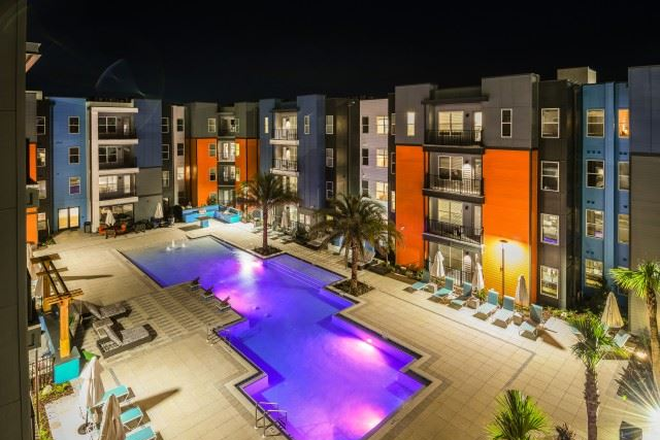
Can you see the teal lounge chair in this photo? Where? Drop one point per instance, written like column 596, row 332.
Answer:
column 426, row 279
column 504, row 315
column 459, row 302
column 132, row 416
column 488, row 308
column 530, row 328
column 448, row 289
column 621, row 338
column 142, row 433
column 121, row 392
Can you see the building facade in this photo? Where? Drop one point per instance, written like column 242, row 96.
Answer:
column 374, row 150
column 173, row 154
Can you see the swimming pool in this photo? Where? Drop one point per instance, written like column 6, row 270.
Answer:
column 335, row 379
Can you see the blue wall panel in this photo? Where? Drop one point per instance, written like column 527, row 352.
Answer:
column 311, row 151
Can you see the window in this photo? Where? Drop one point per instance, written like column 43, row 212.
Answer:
column 213, row 198
column 450, row 212
column 329, row 189
column 329, row 157
column 549, row 176
column 164, row 124
column 108, row 184
column 594, row 223
column 43, row 193
column 213, row 174
column 450, row 121
column 237, row 174
column 550, row 122
column 393, row 201
column 393, row 163
column 74, row 185
column 41, row 157
column 624, row 176
column 381, row 158
column 506, row 122
column 41, row 125
column 624, row 123
column 236, row 124
column 179, row 149
column 365, row 156
column 624, row 228
column 381, row 191
column 165, row 151
column 450, row 167
column 365, row 188
column 365, row 124
column 211, row 125
column 410, row 123
column 179, row 124
column 595, row 122
column 595, row 174
column 42, row 222
column 107, row 124
column 550, row 229
column 266, row 128
column 329, row 124
column 107, row 155
column 382, row 125
column 237, row 149
column 166, row 179
column 212, row 150
column 306, row 124
column 74, row 155
column 74, row 125
column 550, row 281
column 393, row 122
column 180, row 173
column 593, row 273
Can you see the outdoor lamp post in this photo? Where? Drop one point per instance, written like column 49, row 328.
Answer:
column 503, row 247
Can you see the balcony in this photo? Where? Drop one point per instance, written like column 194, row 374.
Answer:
column 125, row 162
column 453, row 137
column 468, row 187
column 285, row 165
column 227, row 131
column 454, row 231
column 118, row 194
column 285, row 134
column 126, row 133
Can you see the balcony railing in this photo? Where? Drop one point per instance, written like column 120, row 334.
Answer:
column 471, row 187
column 126, row 162
column 459, row 276
column 286, row 134
column 227, row 131
column 226, row 181
column 457, row 232
column 453, row 137
column 285, row 165
column 120, row 194
column 119, row 133
column 226, row 158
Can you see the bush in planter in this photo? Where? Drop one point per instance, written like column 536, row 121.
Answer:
column 481, row 294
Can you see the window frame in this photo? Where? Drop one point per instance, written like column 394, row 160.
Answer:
column 180, row 151
column 329, row 124
column 213, row 149
column 543, row 175
column 266, row 125
column 381, row 158
column 384, row 190
column 618, row 166
column 164, row 124
column 180, row 125
column 591, row 282
column 503, row 123
column 77, row 155
column 544, row 235
column 587, row 173
column 588, row 124
column 382, row 125
column 45, row 156
column 363, row 157
column 586, row 223
column 393, row 124
column 211, row 125
column 364, row 187
column 330, row 157
column 79, row 185
column 393, row 163
column 42, row 188
column 307, row 124
column 557, row 123
column 620, row 111
column 165, row 179
column 365, row 125
column 541, row 280
column 627, row 228
column 40, row 122
column 165, row 151
column 213, row 174
column 411, row 117
column 77, row 124
column 329, row 189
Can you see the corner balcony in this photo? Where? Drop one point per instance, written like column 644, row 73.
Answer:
column 118, row 194
column 453, row 137
column 127, row 133
column 454, row 231
column 471, row 190
column 125, row 162
column 285, row 134
column 285, row 165
column 227, row 131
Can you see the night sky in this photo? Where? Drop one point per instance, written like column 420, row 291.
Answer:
column 228, row 51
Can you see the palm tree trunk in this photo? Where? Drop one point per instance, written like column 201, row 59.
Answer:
column 264, row 231
column 652, row 310
column 591, row 398
column 354, row 268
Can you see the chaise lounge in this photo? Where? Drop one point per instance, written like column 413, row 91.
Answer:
column 445, row 291
column 114, row 344
column 142, row 433
column 530, row 328
column 490, row 306
column 111, row 311
column 460, row 301
column 503, row 316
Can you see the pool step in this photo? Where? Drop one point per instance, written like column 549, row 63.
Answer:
column 303, row 271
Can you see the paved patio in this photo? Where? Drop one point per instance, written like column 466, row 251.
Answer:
column 186, row 385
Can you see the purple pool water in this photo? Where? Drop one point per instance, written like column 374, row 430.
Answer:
column 334, row 379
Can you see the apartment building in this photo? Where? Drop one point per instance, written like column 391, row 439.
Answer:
column 201, row 153
column 374, row 150
column 173, row 154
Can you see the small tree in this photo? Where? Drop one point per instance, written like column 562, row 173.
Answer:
column 564, row 432
column 518, row 418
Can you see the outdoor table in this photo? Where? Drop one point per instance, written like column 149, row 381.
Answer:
column 203, row 221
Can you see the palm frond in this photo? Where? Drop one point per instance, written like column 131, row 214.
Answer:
column 596, row 342
column 518, row 418
column 645, row 278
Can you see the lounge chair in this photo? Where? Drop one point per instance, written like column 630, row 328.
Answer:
column 112, row 311
column 530, row 328
column 131, row 417
column 206, row 293
column 142, row 433
column 504, row 315
column 194, row 284
column 488, row 308
column 114, row 344
column 121, row 393
column 445, row 291
column 317, row 243
column 460, row 301
column 426, row 279
column 621, row 338
column 222, row 304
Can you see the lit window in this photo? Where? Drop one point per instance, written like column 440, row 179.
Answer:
column 179, row 124
column 74, row 185
column 329, row 124
column 382, row 125
column 506, row 122
column 212, row 150
column 624, row 123
column 624, row 176
column 41, row 125
column 266, row 127
column 381, row 191
column 329, row 189
column 594, row 223
column 624, row 228
column 41, row 157
column 365, row 156
column 165, row 151
column 365, row 124
column 381, row 158
column 74, row 155
column 393, row 201
column 43, row 193
column 329, row 157
column 166, row 179
column 180, row 173
column 306, row 124
column 410, row 123
column 365, row 188
column 550, row 122
column 550, row 281
column 179, row 149
column 237, row 174
column 450, row 212
column 393, row 124
column 211, row 125
column 595, row 174
column 236, row 124
column 213, row 176
column 549, row 176
column 109, row 184
column 165, row 124
column 42, row 222
column 450, row 121
column 237, row 149
column 595, row 122
column 550, row 229
column 450, row 167
column 593, row 273
column 74, row 124
column 393, row 163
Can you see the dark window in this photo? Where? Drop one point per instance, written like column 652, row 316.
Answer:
column 365, row 124
column 165, row 149
column 74, row 124
column 365, row 156
column 74, row 155
column 179, row 149
column 179, row 124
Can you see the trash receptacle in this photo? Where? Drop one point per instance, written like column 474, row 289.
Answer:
column 87, row 227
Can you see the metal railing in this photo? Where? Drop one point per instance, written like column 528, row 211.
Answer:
column 473, row 187
column 110, row 195
column 270, row 419
column 453, row 137
column 119, row 133
column 287, row 134
column 126, row 162
column 285, row 165
column 457, row 232
column 227, row 131
column 459, row 276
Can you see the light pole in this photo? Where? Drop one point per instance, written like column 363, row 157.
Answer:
column 503, row 246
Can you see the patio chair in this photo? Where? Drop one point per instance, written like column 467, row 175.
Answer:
column 222, row 304
column 621, row 338
column 206, row 293
column 131, row 417
column 530, row 328
column 127, row 339
column 460, row 301
column 490, row 306
column 121, row 393
column 115, row 310
column 503, row 316
column 142, row 433
column 426, row 279
column 445, row 291
column 317, row 243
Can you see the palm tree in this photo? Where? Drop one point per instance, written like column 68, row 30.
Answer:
column 267, row 192
column 593, row 345
column 358, row 220
column 564, row 432
column 518, row 418
column 645, row 283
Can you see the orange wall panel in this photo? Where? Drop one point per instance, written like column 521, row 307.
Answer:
column 32, row 161
column 248, row 160
column 200, row 164
column 31, row 232
column 410, row 204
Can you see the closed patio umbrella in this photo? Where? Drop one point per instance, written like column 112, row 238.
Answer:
column 91, row 386
column 478, row 278
column 522, row 295
column 611, row 314
column 109, row 218
column 159, row 211
column 286, row 221
column 111, row 426
column 438, row 267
